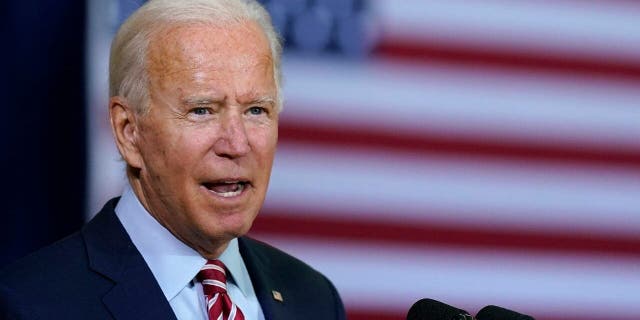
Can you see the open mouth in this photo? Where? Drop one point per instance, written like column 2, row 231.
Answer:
column 227, row 189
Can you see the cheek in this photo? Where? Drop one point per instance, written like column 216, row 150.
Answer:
column 264, row 141
column 171, row 152
column 189, row 148
column 153, row 145
column 193, row 140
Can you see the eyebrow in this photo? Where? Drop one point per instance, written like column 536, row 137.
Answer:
column 201, row 100
column 196, row 100
column 265, row 99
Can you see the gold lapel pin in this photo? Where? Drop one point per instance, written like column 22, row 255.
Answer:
column 277, row 296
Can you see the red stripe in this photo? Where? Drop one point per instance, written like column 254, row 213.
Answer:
column 369, row 315
column 314, row 226
column 364, row 315
column 509, row 59
column 379, row 139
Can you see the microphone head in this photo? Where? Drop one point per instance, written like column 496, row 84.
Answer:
column 498, row 313
column 428, row 309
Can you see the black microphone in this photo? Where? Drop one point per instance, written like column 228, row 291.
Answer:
column 498, row 313
column 428, row 309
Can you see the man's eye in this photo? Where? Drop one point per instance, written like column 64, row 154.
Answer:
column 200, row 111
column 256, row 111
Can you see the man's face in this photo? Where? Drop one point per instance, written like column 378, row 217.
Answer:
column 208, row 141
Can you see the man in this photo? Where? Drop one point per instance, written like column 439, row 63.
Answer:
column 194, row 107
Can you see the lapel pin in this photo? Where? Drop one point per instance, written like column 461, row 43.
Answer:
column 277, row 296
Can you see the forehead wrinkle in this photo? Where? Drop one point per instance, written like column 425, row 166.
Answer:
column 179, row 53
column 167, row 58
column 251, row 95
column 260, row 65
column 202, row 60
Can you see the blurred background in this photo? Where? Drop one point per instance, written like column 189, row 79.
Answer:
column 473, row 152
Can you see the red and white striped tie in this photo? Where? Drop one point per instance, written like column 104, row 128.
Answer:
column 213, row 277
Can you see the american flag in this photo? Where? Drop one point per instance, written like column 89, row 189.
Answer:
column 484, row 152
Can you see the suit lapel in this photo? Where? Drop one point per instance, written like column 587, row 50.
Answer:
column 135, row 294
column 265, row 281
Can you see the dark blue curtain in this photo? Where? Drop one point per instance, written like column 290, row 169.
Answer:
column 42, row 123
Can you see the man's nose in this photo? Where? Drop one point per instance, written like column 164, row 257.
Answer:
column 232, row 141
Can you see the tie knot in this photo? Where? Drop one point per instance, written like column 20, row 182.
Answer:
column 213, row 277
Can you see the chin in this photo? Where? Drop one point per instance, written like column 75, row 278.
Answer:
column 235, row 226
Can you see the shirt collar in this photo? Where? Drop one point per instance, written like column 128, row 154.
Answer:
column 172, row 262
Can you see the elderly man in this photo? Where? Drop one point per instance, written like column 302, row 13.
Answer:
column 194, row 110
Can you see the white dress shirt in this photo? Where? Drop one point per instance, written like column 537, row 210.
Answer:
column 175, row 265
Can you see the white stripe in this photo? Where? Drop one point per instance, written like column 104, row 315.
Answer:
column 213, row 267
column 214, row 283
column 462, row 102
column 563, row 285
column 212, row 301
column 220, row 317
column 472, row 192
column 232, row 313
column 574, row 28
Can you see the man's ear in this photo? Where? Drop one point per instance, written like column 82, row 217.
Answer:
column 124, row 125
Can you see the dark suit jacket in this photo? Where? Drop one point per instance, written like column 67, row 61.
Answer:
column 97, row 273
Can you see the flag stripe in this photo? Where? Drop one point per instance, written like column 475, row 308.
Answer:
column 462, row 102
column 380, row 139
column 471, row 57
column 590, row 29
column 355, row 314
column 312, row 226
column 540, row 283
column 381, row 186
column 368, row 315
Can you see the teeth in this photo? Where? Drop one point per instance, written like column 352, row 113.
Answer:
column 229, row 194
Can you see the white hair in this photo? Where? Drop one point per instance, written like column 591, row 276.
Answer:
column 128, row 76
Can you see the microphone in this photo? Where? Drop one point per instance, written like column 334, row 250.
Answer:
column 429, row 309
column 498, row 313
